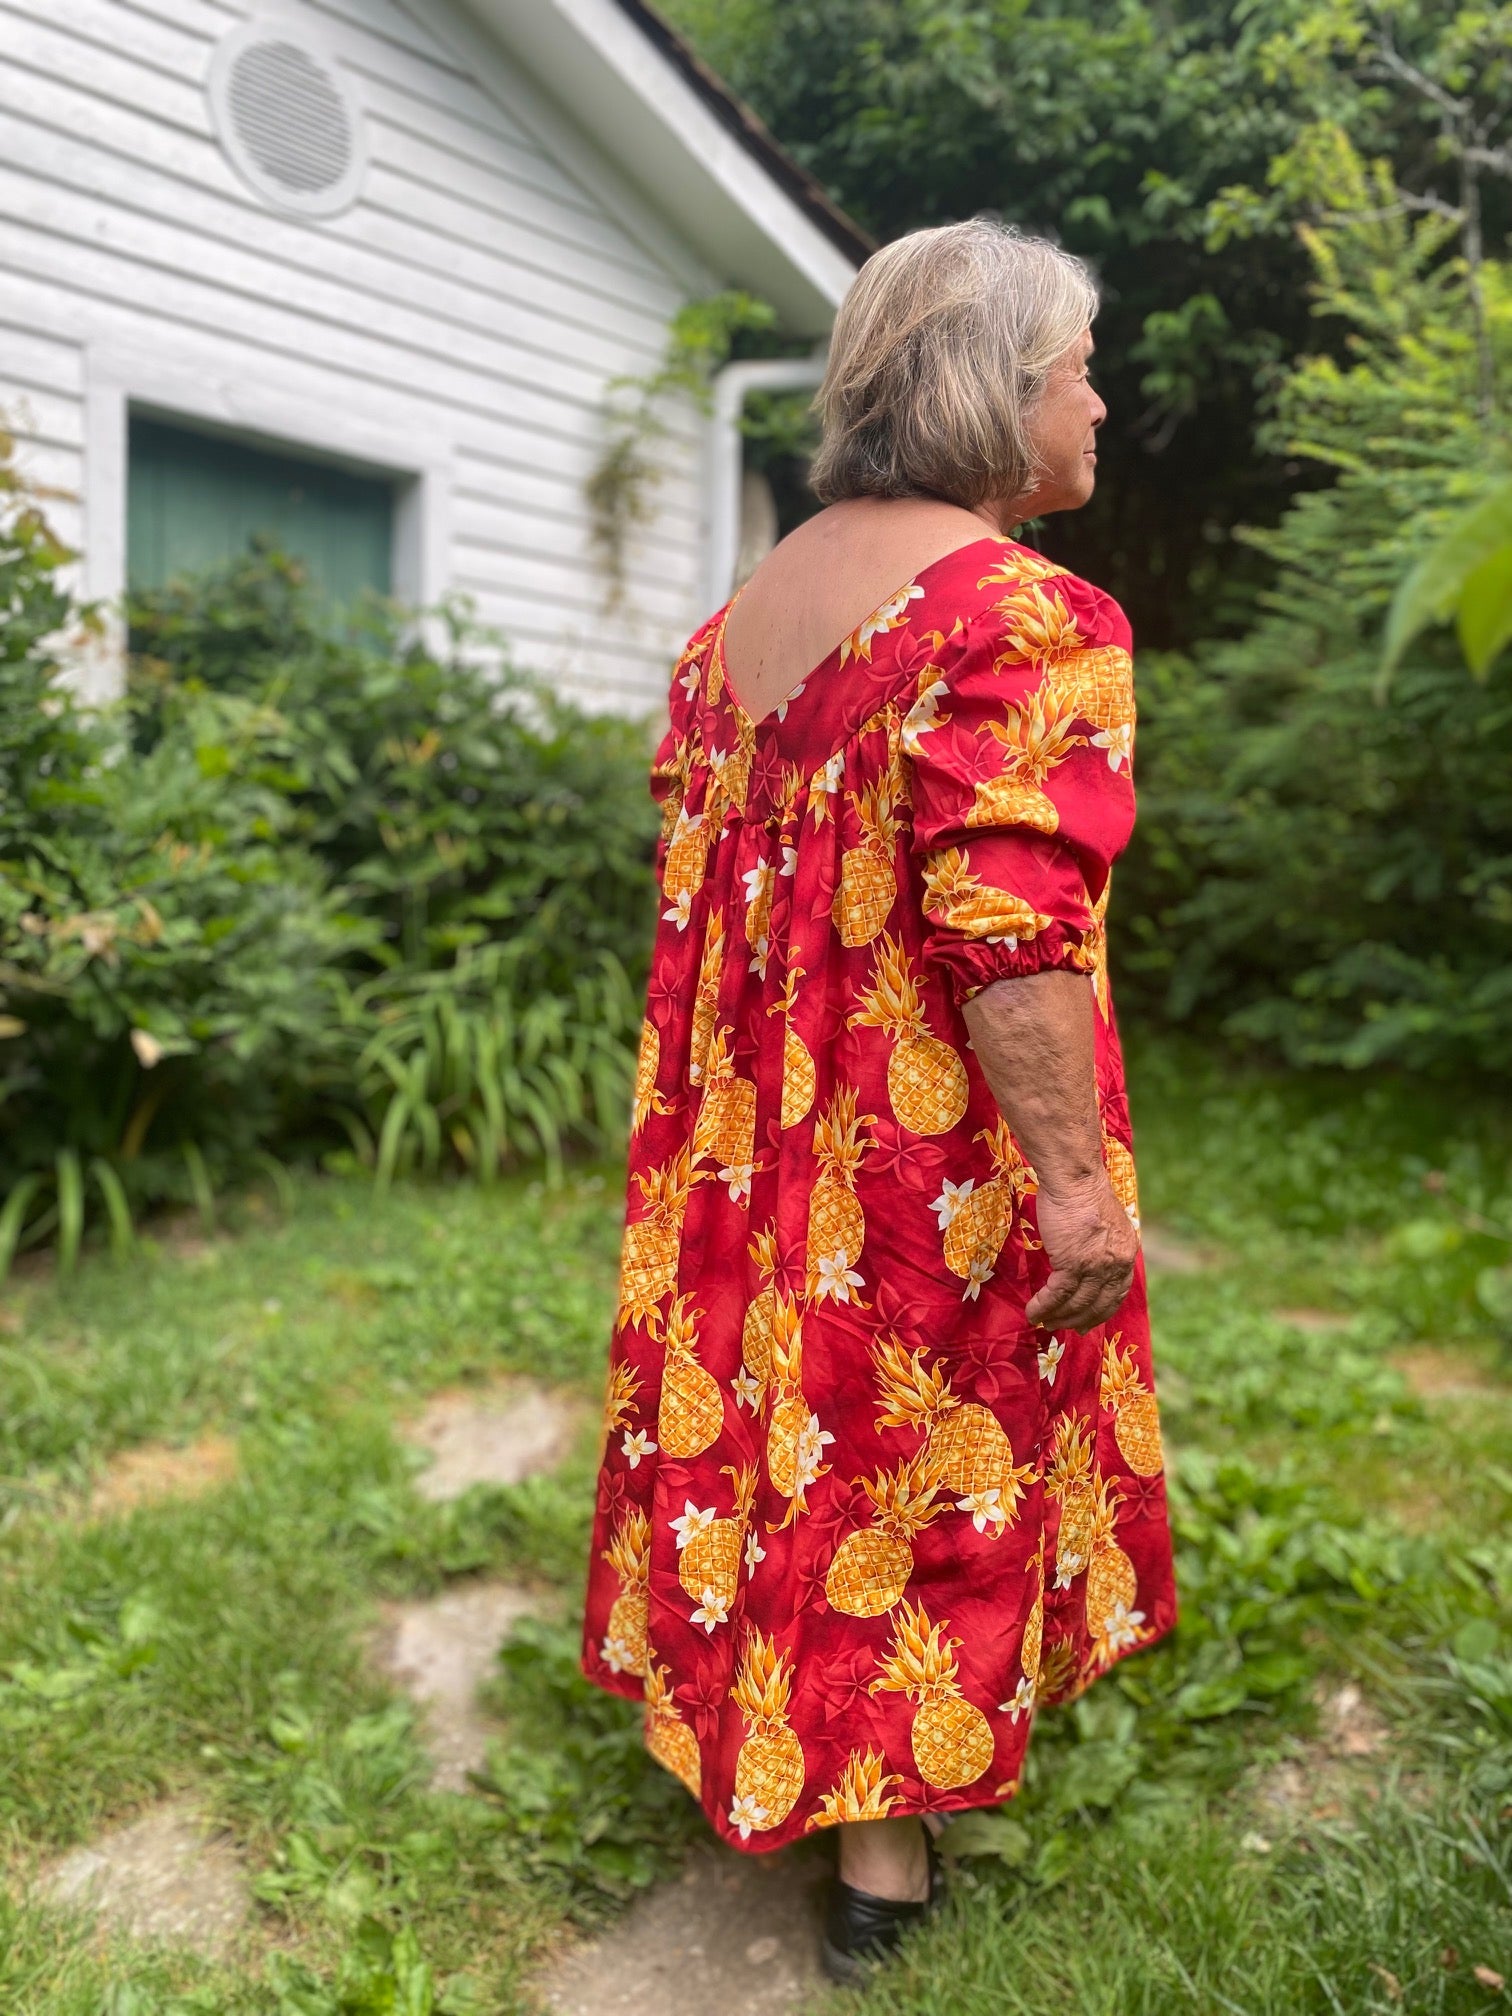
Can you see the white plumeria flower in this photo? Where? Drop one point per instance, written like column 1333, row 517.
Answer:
column 1067, row 1568
column 759, row 957
column 758, row 881
column 924, row 716
column 1119, row 743
column 833, row 771
column 950, row 1200
column 680, row 910
column 1022, row 1702
column 748, row 1389
column 754, row 1552
column 692, row 1521
column 789, row 860
column 1121, row 1627
column 986, row 1509
column 637, row 1443
column 783, row 705
column 837, row 1277
column 689, row 680
column 812, row 1443
column 617, row 1656
column 712, row 1609
column 1050, row 1357
column 977, row 1276
column 1007, row 939
column 746, row 1814
column 738, row 1176
column 880, row 621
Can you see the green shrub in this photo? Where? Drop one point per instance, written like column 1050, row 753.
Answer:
column 300, row 887
column 1323, row 866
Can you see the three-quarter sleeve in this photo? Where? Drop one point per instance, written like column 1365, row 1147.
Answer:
column 1021, row 749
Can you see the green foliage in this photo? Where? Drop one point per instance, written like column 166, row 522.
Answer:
column 219, row 1647
column 1468, row 575
column 590, row 1810
column 1322, row 865
column 301, row 886
column 703, row 335
column 1143, row 136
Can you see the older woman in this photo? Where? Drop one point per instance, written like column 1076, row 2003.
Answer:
column 883, row 1466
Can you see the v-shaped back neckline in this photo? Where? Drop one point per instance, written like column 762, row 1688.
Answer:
column 777, row 713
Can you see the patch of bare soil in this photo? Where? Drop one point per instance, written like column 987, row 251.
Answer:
column 1332, row 1772
column 440, row 1652
column 1165, row 1253
column 1441, row 1372
column 167, row 1875
column 491, row 1435
column 736, row 1935
column 154, row 1471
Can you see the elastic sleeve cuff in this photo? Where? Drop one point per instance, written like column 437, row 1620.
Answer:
column 969, row 964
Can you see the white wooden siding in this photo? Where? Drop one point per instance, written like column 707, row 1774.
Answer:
column 470, row 309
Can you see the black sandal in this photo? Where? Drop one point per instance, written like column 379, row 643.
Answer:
column 862, row 1931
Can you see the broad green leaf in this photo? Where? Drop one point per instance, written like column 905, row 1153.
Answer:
column 1432, row 590
column 1485, row 611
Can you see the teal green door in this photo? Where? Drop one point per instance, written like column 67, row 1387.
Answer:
column 194, row 501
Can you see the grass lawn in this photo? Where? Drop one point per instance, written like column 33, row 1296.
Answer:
column 1203, row 1833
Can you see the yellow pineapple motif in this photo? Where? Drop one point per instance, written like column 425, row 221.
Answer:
column 1119, row 1164
column 1102, row 679
column 1111, row 1579
column 769, row 1767
column 760, row 887
column 756, row 1330
column 1034, row 1625
column 861, row 1792
column 871, row 1568
column 709, row 1550
column 732, row 767
column 795, row 1441
column 647, row 1100
column 969, row 1449
column 668, row 1738
column 648, row 1257
column 706, row 996
column 951, row 1740
column 1112, row 1589
column 629, row 1555
column 1015, row 568
column 1136, row 1417
column 889, row 615
column 1037, row 628
column 691, row 1412
column 685, row 865
column 619, row 1397
column 799, row 1079
column 836, row 1222
column 725, row 1130
column 1037, row 736
column 957, row 898
column 926, row 1080
column 1072, row 1481
column 1093, row 955
column 977, row 1218
column 868, row 884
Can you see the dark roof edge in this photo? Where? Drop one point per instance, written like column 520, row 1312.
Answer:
column 737, row 117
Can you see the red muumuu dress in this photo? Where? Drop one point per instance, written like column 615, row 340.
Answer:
column 856, row 1516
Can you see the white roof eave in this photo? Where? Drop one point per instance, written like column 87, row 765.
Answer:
column 636, row 109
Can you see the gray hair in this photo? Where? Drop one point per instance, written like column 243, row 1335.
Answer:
column 941, row 350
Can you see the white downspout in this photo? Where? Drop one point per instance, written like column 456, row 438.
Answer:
column 723, row 459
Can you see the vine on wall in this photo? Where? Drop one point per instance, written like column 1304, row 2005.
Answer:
column 702, row 337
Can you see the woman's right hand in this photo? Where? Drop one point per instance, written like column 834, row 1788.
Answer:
column 1091, row 1247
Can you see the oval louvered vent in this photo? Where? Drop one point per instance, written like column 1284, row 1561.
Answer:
column 288, row 119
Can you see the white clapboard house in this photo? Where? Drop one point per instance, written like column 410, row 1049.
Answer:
column 360, row 272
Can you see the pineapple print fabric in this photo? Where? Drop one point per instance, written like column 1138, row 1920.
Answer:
column 856, row 1517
